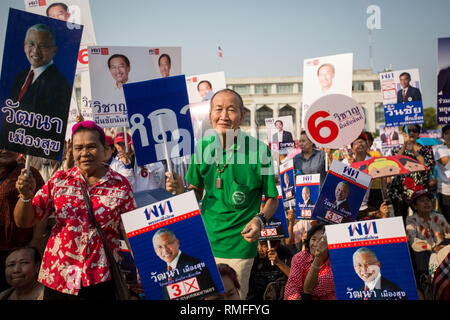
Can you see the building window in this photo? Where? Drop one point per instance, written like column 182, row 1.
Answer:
column 285, row 88
column 287, row 110
column 246, row 122
column 358, row 86
column 379, row 112
column 261, row 115
column 376, row 86
column 242, row 89
column 300, row 87
column 262, row 89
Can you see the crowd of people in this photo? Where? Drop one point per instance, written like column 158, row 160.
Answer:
column 51, row 250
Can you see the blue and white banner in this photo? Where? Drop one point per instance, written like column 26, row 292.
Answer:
column 38, row 70
column 402, row 97
column 370, row 260
column 171, row 250
column 443, row 82
column 159, row 117
column 307, row 188
column 341, row 195
column 287, row 178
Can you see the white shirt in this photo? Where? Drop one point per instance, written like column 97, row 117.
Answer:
column 375, row 283
column 125, row 170
column 174, row 262
column 38, row 71
column 443, row 181
column 149, row 177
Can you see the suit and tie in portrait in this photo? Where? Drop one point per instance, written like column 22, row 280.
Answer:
column 407, row 93
column 40, row 89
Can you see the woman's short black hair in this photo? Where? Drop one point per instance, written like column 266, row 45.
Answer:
column 36, row 255
column 317, row 227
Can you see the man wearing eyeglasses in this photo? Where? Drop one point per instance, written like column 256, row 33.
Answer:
column 41, row 88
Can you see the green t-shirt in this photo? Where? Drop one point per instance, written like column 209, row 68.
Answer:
column 227, row 211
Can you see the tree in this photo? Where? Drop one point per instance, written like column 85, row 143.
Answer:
column 430, row 118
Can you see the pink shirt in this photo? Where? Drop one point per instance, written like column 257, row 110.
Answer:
column 74, row 255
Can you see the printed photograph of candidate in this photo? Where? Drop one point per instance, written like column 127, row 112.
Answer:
column 203, row 86
column 407, row 93
column 41, row 69
column 167, row 248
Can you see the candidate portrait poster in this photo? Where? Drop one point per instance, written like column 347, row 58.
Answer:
column 326, row 75
column 277, row 226
column 390, row 138
column 112, row 67
column 74, row 13
column 280, row 134
column 38, row 71
column 402, row 97
column 201, row 89
column 307, row 188
column 287, row 178
column 171, row 250
column 341, row 195
column 443, row 81
column 159, row 117
column 370, row 260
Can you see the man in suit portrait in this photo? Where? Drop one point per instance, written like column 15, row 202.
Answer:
column 307, row 202
column 368, row 268
column 385, row 135
column 281, row 135
column 119, row 66
column 407, row 93
column 341, row 193
column 205, row 90
column 167, row 248
column 41, row 88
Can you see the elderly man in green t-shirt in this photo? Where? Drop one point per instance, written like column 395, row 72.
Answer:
column 229, row 172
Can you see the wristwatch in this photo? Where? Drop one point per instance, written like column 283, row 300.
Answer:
column 262, row 219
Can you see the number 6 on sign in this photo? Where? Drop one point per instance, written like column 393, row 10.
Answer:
column 334, row 121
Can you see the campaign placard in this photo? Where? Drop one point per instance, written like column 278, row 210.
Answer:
column 443, row 81
column 334, row 121
column 326, row 75
column 390, row 139
column 307, row 188
column 201, row 89
column 171, row 249
column 287, row 179
column 74, row 13
column 402, row 97
column 112, row 67
column 160, row 121
column 341, row 195
column 280, row 134
column 276, row 227
column 38, row 70
column 370, row 260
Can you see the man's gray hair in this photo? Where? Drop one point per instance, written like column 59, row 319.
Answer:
column 45, row 28
column 237, row 95
column 163, row 231
column 363, row 250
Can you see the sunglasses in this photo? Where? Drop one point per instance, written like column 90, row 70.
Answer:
column 413, row 130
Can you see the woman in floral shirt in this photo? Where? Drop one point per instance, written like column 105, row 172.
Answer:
column 75, row 265
column 402, row 187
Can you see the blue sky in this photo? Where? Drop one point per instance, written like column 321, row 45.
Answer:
column 272, row 38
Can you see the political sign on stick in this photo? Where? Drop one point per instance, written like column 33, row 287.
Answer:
column 160, row 121
column 280, row 134
column 171, row 249
column 276, row 227
column 111, row 67
column 36, row 90
column 402, row 97
column 443, row 81
column 287, row 179
column 307, row 188
column 370, row 260
column 334, row 121
column 341, row 195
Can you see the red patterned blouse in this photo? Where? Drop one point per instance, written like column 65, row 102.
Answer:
column 300, row 265
column 74, row 255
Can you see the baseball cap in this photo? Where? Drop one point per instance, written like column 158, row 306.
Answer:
column 120, row 137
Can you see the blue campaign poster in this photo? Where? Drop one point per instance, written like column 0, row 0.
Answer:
column 307, row 188
column 401, row 114
column 287, row 179
column 370, row 260
column 171, row 250
column 35, row 105
column 159, row 117
column 341, row 195
column 277, row 226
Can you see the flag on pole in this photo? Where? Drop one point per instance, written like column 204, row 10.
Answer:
column 220, row 51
